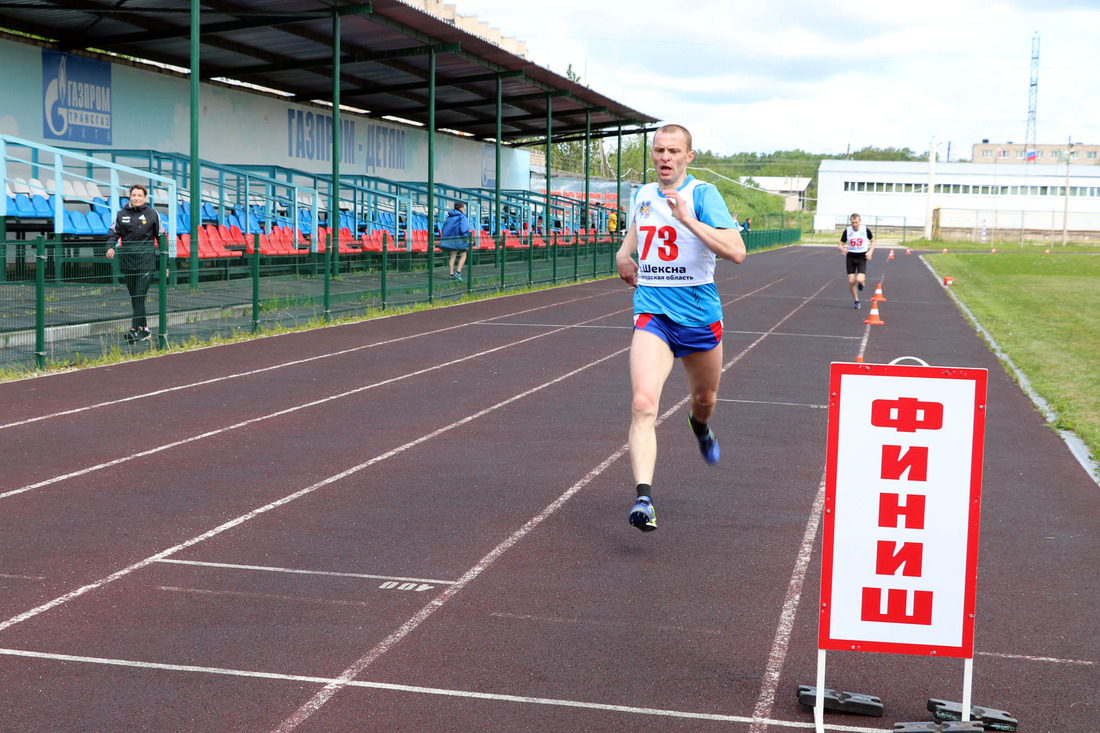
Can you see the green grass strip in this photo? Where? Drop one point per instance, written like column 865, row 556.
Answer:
column 1043, row 310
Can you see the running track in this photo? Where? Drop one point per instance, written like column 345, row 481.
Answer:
column 418, row 523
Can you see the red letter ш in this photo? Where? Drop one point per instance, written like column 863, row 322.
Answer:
column 910, row 555
column 895, row 606
column 894, row 464
column 889, row 509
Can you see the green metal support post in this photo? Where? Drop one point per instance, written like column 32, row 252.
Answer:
column 328, row 274
column 500, row 227
column 431, row 176
column 587, row 180
column 385, row 264
column 162, row 300
column 255, row 282
column 334, row 197
column 546, row 210
column 40, row 301
column 196, row 166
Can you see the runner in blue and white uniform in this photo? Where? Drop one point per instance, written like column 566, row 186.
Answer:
column 679, row 226
column 858, row 243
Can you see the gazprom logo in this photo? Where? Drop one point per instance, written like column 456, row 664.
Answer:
column 76, row 98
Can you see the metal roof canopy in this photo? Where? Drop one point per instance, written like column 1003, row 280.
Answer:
column 286, row 45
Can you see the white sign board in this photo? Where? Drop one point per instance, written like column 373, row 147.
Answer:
column 902, row 504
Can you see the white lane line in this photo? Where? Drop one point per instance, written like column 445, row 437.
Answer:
column 22, row 577
column 283, row 365
column 279, row 413
column 261, row 596
column 765, row 703
column 607, row 624
column 420, row 690
column 271, row 569
column 777, row 404
column 348, row 675
column 95, row 585
column 1051, row 660
column 329, row 690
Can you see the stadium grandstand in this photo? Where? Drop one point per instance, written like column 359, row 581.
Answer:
column 317, row 148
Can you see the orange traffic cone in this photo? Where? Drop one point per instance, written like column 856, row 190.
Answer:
column 908, row 251
column 1046, row 251
column 859, row 360
column 891, row 255
column 874, row 320
column 878, row 293
column 993, row 251
column 945, row 250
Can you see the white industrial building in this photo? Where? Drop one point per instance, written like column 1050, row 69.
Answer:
column 979, row 201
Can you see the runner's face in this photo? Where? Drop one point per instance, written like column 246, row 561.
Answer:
column 855, row 222
column 137, row 197
column 670, row 158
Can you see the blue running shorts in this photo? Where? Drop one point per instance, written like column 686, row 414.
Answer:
column 683, row 340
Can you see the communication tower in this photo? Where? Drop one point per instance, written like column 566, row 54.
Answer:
column 1032, row 101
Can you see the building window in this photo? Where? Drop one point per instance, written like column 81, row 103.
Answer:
column 1019, row 153
column 861, row 186
column 987, row 153
column 909, row 188
column 880, row 187
column 845, row 185
column 1090, row 155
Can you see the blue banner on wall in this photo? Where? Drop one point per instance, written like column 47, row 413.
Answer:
column 76, row 98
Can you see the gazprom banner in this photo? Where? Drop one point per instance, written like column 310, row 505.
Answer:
column 76, row 98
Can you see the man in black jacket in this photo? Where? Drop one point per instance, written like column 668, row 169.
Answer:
column 135, row 235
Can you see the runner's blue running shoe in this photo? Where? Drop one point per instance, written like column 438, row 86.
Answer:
column 708, row 446
column 642, row 515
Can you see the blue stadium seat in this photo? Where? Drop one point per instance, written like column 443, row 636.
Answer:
column 23, row 206
column 77, row 223
column 105, row 222
column 42, row 207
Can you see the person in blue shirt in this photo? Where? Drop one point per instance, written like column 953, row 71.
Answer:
column 679, row 226
column 455, row 237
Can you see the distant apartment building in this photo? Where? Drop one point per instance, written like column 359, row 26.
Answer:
column 987, row 152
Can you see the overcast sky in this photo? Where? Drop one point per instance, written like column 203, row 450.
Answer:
column 766, row 75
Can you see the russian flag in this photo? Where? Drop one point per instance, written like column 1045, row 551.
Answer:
column 1031, row 156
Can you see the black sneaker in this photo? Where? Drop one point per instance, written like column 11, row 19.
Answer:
column 131, row 336
column 859, row 285
column 143, row 334
column 856, row 306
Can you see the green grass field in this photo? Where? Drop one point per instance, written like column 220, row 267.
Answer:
column 1044, row 312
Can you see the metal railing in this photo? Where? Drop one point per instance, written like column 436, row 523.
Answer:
column 63, row 302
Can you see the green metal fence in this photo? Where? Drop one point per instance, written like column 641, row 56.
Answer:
column 63, row 301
